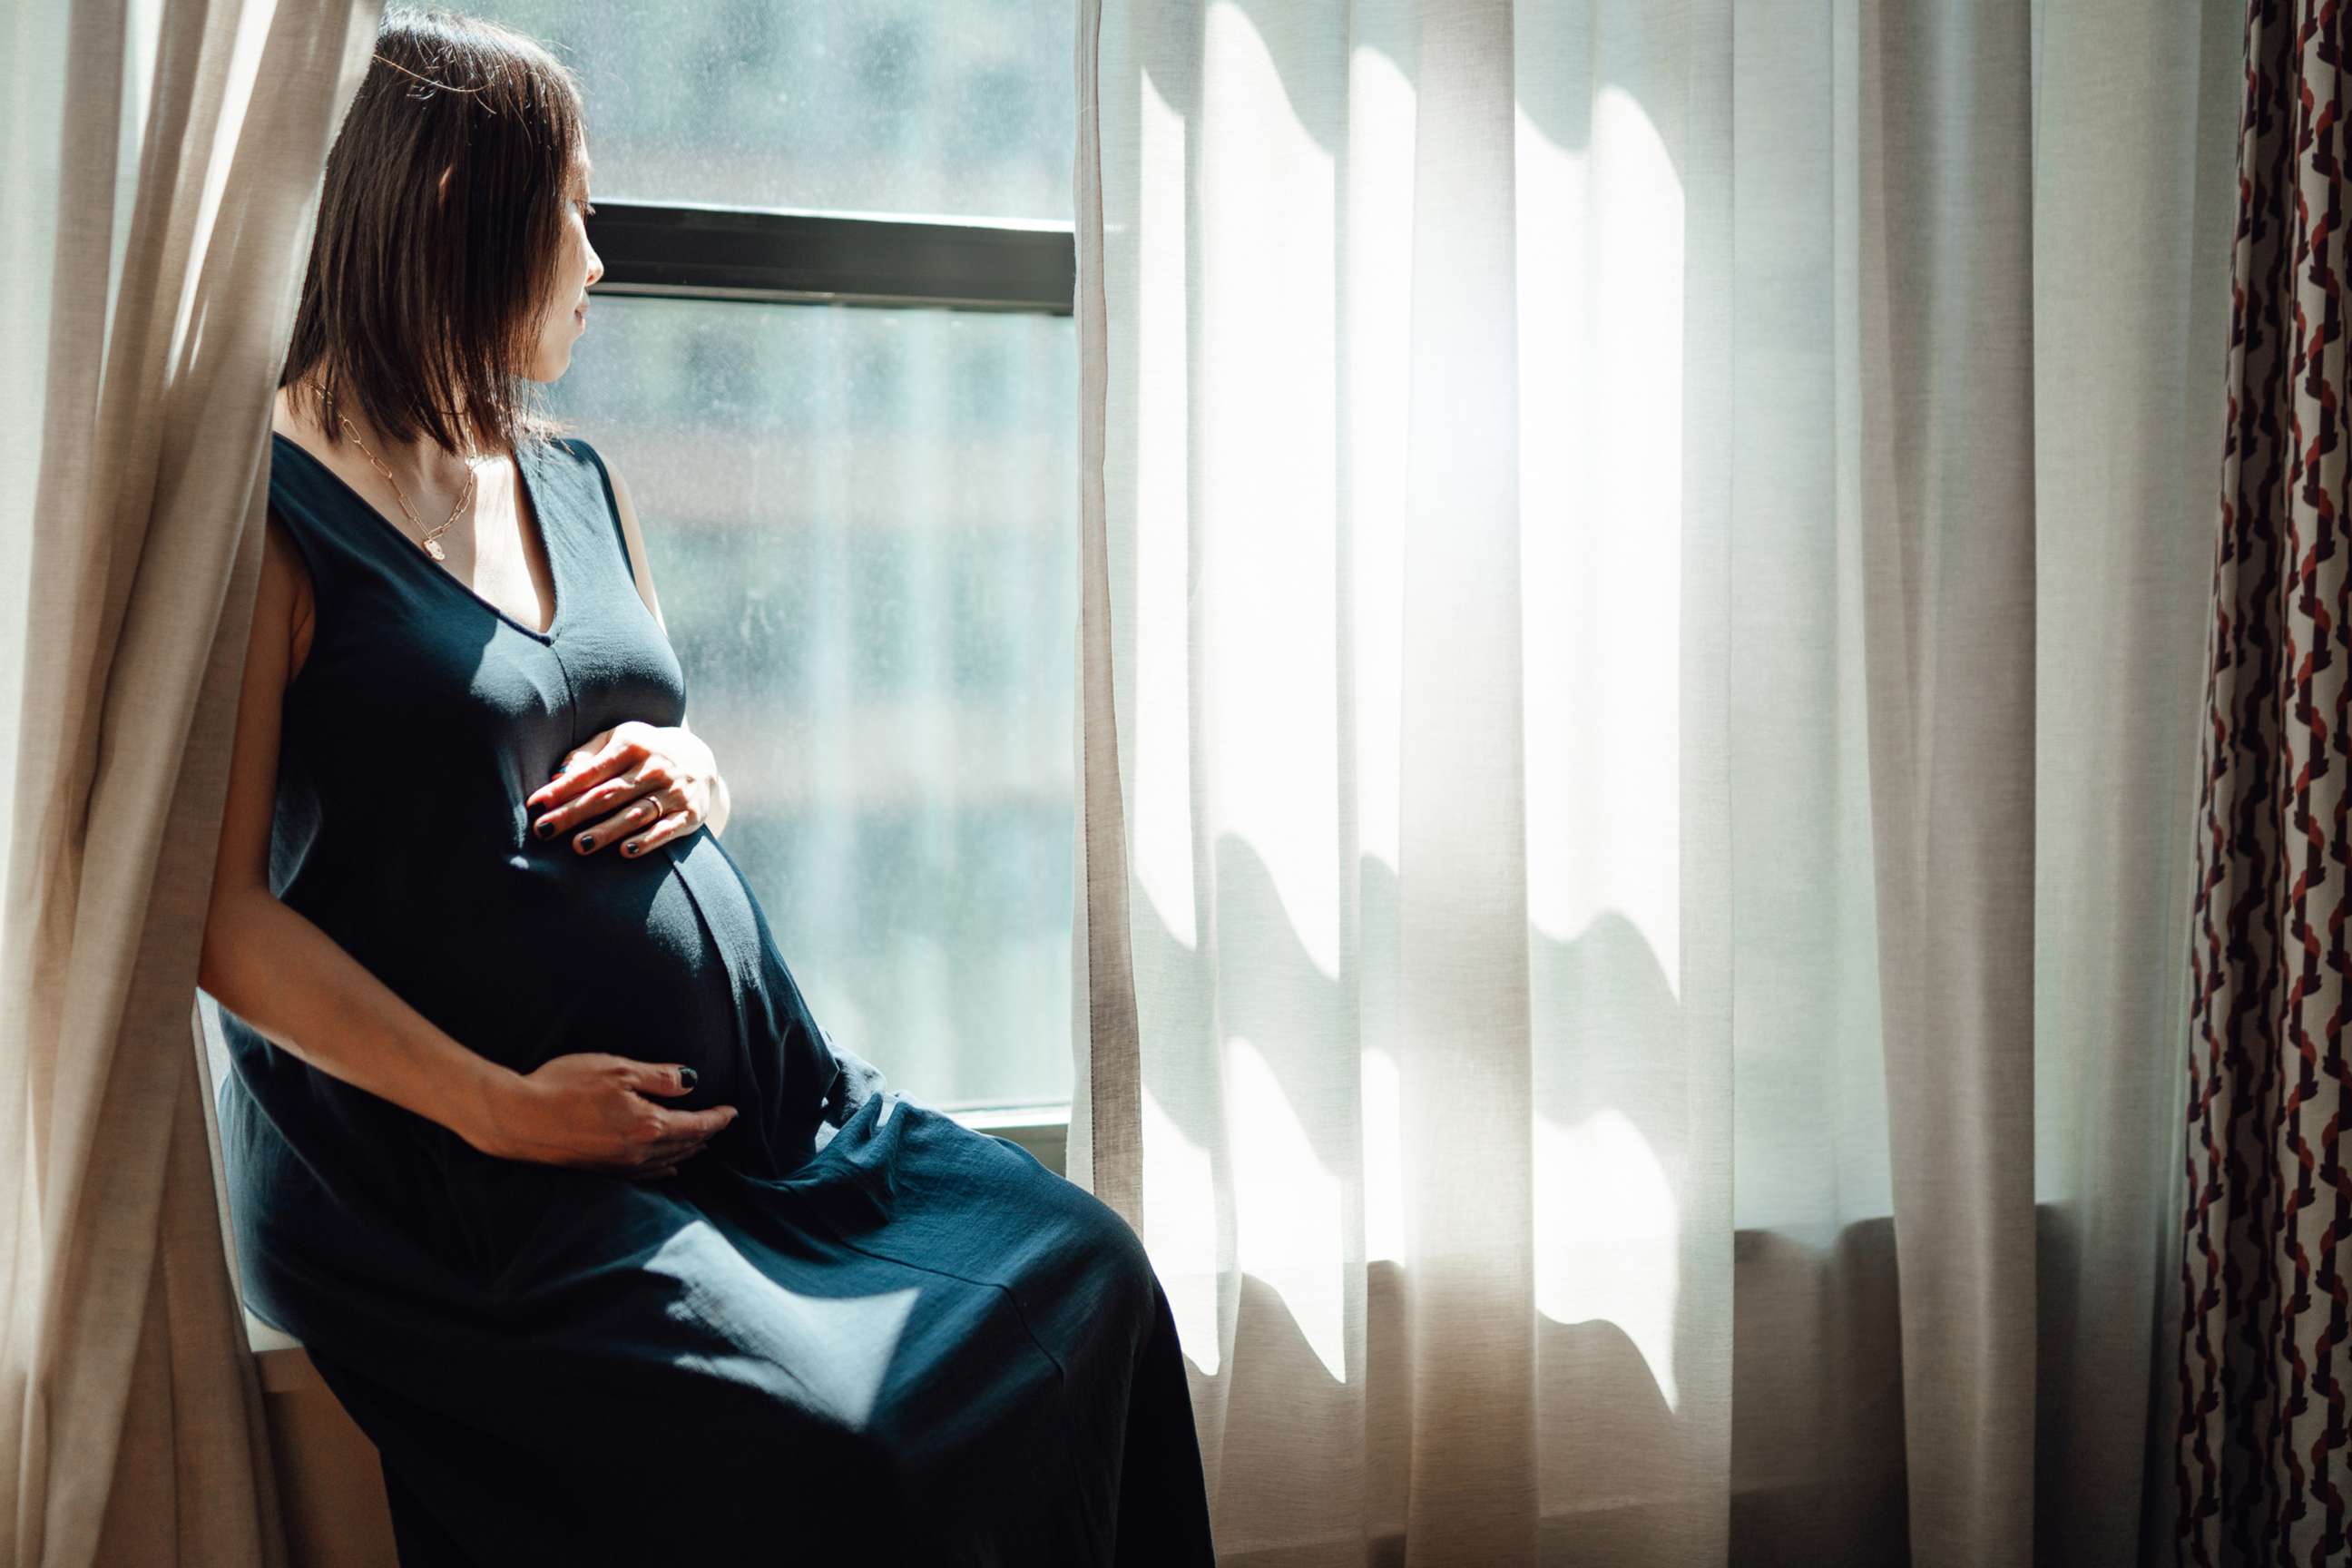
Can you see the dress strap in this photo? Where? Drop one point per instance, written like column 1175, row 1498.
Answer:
column 581, row 452
column 572, row 477
column 304, row 500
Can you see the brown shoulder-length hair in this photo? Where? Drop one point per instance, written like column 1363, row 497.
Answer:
column 418, row 310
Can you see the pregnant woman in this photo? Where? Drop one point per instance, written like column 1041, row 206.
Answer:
column 531, row 1139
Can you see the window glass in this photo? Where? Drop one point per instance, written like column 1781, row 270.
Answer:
column 863, row 526
column 954, row 108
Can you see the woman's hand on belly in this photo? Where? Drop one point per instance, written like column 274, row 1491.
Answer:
column 590, row 1109
column 634, row 784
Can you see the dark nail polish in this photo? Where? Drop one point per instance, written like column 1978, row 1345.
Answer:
column 685, row 1076
column 546, row 830
column 587, row 841
column 631, row 848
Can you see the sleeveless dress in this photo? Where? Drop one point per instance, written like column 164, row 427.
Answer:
column 848, row 1324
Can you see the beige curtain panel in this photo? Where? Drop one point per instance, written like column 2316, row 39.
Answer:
column 158, row 181
column 1647, row 572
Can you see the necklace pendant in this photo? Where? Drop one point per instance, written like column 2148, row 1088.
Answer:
column 433, row 548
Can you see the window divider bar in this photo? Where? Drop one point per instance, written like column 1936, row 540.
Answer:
column 772, row 256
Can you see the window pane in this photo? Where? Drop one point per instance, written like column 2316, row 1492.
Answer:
column 863, row 526
column 959, row 108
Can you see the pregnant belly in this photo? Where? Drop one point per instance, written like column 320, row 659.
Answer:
column 540, row 952
column 661, row 959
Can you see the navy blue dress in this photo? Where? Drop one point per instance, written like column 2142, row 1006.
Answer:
column 848, row 1324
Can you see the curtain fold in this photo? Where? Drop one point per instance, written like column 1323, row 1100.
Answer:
column 2136, row 127
column 1948, row 530
column 162, row 172
column 1646, row 581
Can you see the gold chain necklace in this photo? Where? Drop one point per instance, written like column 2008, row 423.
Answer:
column 432, row 541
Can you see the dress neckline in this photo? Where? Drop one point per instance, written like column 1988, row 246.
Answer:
column 556, row 589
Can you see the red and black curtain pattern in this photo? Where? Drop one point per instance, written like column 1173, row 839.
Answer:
column 2262, row 1455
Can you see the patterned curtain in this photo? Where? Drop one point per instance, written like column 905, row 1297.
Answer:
column 2263, row 1462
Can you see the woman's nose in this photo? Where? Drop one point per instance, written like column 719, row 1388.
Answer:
column 595, row 267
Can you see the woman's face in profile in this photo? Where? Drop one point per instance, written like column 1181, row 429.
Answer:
column 565, row 315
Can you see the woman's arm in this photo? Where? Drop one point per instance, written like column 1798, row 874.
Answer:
column 272, row 967
column 280, row 972
column 642, row 567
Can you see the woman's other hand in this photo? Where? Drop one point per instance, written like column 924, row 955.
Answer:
column 590, row 1108
column 636, row 786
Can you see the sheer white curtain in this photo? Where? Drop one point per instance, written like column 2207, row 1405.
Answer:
column 1645, row 580
column 158, row 180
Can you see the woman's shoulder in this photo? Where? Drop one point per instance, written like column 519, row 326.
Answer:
column 299, row 495
column 620, row 509
column 569, row 447
column 575, row 454
column 581, row 467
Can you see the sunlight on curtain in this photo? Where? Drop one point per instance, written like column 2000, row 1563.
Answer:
column 1301, row 551
column 1180, row 1187
column 1601, row 278
column 1291, row 1229
column 1374, row 396
column 1600, row 308
column 1607, row 1231
column 1162, row 855
column 1265, row 596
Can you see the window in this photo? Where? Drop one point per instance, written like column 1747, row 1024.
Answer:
column 851, row 430
column 963, row 108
